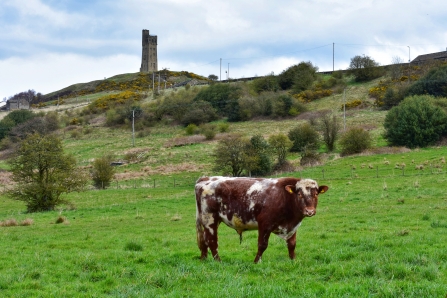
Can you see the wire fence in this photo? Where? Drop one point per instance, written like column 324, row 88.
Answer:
column 317, row 173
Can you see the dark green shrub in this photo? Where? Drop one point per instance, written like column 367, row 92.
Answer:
column 199, row 112
column 267, row 83
column 393, row 96
column 355, row 140
column 298, row 77
column 433, row 83
column 415, row 122
column 304, row 136
column 222, row 97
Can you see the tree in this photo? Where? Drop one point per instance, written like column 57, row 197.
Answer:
column 298, row 77
column 43, row 173
column 231, row 155
column 364, row 68
column 396, row 68
column 102, row 172
column 329, row 127
column 415, row 122
column 213, row 77
column 280, row 144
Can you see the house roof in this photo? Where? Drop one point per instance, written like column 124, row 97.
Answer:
column 433, row 56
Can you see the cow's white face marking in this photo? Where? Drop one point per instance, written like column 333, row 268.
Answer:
column 306, row 185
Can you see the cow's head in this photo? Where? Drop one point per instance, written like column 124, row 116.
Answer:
column 307, row 192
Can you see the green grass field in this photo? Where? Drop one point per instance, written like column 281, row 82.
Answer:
column 381, row 237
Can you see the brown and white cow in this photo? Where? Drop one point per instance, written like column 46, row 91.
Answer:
column 268, row 205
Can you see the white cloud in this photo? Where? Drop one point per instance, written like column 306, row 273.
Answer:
column 51, row 72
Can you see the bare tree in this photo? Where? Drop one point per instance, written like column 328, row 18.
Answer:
column 396, row 68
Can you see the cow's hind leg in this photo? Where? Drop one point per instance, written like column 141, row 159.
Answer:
column 201, row 240
column 263, row 242
column 291, row 243
column 211, row 240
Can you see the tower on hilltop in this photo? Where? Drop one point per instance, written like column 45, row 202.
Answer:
column 149, row 60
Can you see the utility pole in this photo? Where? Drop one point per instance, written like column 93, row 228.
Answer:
column 133, row 128
column 333, row 57
column 409, row 66
column 220, row 74
column 344, row 109
column 228, row 73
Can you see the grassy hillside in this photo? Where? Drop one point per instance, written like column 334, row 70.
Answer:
column 380, row 230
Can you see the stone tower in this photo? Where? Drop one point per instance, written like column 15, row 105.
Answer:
column 149, row 60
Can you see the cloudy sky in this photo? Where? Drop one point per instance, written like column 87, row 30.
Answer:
column 47, row 45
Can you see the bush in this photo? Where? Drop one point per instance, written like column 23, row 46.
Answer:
column 199, row 112
column 267, row 83
column 393, row 96
column 355, row 140
column 223, row 127
column 415, row 122
column 309, row 157
column 191, row 129
column 260, row 149
column 102, row 172
column 351, row 104
column 304, row 136
column 222, row 97
column 280, row 145
column 209, row 131
column 433, row 83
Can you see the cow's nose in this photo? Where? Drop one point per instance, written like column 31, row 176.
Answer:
column 310, row 212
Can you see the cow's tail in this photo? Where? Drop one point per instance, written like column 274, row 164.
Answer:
column 200, row 233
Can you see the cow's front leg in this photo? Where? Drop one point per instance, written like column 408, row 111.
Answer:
column 211, row 240
column 263, row 242
column 291, row 243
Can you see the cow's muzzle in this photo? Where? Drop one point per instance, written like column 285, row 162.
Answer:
column 309, row 212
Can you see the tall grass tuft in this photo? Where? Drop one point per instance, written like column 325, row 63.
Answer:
column 133, row 246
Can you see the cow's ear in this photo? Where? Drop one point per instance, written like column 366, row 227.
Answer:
column 289, row 188
column 323, row 189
